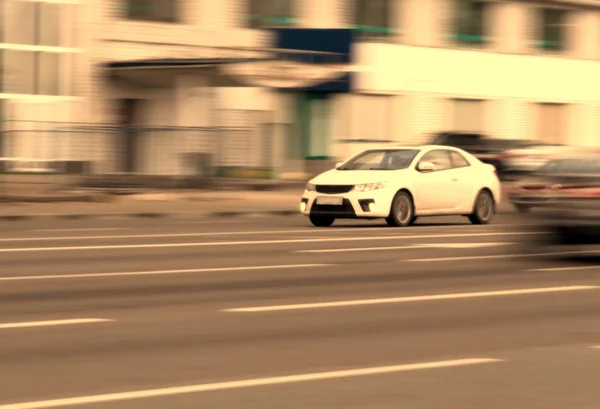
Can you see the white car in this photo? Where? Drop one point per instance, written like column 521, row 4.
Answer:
column 402, row 183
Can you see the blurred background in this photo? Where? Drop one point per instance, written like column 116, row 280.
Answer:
column 145, row 89
column 173, row 110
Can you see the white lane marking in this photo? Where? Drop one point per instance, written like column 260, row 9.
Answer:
column 248, row 243
column 349, row 250
column 90, row 229
column 418, row 298
column 163, row 272
column 75, row 321
column 411, row 247
column 213, row 221
column 235, row 233
column 248, row 383
column 462, row 245
column 566, row 253
column 563, row 268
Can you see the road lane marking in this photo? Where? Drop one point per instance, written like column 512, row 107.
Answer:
column 566, row 253
column 350, row 250
column 213, row 221
column 411, row 247
column 235, row 233
column 163, row 272
column 563, row 268
column 463, row 245
column 248, row 383
column 52, row 323
column 418, row 298
column 90, row 229
column 249, row 243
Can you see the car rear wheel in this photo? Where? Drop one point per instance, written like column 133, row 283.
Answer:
column 321, row 221
column 484, row 208
column 402, row 212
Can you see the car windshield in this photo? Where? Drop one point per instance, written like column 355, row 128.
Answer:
column 381, row 159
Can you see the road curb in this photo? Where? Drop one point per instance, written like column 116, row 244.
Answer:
column 146, row 215
column 161, row 215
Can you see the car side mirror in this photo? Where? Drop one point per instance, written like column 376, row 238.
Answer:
column 426, row 166
column 337, row 165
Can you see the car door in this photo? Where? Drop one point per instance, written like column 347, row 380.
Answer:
column 433, row 188
column 462, row 180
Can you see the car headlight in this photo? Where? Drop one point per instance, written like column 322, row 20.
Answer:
column 367, row 187
column 310, row 187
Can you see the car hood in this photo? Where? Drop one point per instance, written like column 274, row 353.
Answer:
column 354, row 177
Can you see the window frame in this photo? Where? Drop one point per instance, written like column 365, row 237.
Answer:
column 148, row 17
column 363, row 14
column 260, row 13
column 547, row 28
column 472, row 33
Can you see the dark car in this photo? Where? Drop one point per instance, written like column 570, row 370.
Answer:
column 570, row 212
column 486, row 149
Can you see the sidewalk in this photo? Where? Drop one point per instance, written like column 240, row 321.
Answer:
column 178, row 205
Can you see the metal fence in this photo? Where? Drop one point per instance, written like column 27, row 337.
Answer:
column 241, row 147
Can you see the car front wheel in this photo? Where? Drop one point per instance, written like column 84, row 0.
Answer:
column 321, row 221
column 402, row 212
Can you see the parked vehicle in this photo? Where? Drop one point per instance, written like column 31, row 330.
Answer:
column 528, row 158
column 486, row 149
column 570, row 214
column 531, row 191
column 402, row 183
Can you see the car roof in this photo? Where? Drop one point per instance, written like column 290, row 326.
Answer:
column 420, row 147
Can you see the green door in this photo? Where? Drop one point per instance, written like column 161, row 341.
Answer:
column 314, row 122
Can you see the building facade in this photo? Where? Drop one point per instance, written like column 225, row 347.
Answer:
column 510, row 69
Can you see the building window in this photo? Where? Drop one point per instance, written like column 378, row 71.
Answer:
column 271, row 13
column 49, row 24
column 552, row 29
column 374, row 116
column 48, row 73
column 468, row 115
column 21, row 18
column 31, row 72
column 160, row 11
column 2, row 20
column 372, row 18
column 18, row 71
column 36, row 23
column 469, row 22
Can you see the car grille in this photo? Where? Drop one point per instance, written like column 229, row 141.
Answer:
column 344, row 210
column 334, row 189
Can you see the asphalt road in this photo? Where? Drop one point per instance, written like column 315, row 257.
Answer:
column 273, row 313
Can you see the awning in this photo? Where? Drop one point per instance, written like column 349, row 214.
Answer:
column 301, row 58
column 241, row 72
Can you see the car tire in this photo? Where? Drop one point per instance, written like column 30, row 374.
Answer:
column 484, row 208
column 321, row 221
column 402, row 211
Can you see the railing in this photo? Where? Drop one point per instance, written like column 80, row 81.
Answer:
column 95, row 150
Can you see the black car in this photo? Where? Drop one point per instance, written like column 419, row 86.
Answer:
column 488, row 150
column 569, row 213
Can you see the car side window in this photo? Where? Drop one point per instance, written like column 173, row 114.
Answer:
column 439, row 158
column 458, row 161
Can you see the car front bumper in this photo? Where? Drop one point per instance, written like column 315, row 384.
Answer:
column 354, row 205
